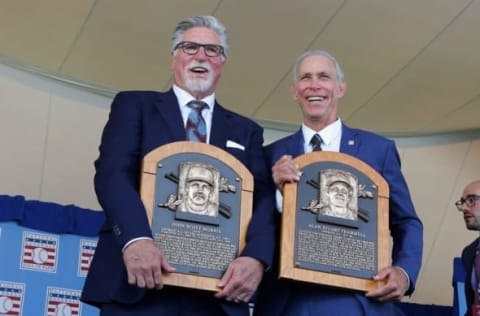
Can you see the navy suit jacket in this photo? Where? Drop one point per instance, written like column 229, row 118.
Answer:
column 139, row 122
column 468, row 258
column 405, row 226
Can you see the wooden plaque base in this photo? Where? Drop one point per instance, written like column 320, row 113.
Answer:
column 344, row 249
column 200, row 246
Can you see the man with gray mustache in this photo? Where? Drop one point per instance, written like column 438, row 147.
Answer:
column 125, row 277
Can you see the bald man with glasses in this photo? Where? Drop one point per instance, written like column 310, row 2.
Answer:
column 469, row 205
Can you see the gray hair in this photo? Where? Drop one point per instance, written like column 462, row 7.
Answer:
column 210, row 22
column 339, row 73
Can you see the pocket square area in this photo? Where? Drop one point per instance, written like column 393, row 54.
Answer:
column 233, row 144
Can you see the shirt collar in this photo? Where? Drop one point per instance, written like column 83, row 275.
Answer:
column 329, row 134
column 184, row 97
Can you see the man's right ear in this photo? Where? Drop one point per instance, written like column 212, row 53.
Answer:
column 293, row 92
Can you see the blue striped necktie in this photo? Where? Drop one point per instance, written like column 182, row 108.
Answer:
column 196, row 128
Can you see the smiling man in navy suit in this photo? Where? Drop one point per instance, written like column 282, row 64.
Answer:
column 318, row 86
column 125, row 276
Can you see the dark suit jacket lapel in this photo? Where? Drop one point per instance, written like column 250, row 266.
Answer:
column 350, row 141
column 471, row 250
column 294, row 144
column 221, row 125
column 169, row 109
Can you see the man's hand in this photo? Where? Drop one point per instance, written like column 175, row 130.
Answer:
column 144, row 262
column 285, row 170
column 395, row 287
column 241, row 279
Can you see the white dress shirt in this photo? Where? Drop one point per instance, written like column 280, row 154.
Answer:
column 184, row 98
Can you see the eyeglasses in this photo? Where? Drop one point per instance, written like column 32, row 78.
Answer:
column 191, row 48
column 469, row 201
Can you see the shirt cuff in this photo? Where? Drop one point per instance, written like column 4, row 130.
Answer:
column 279, row 200
column 406, row 274
column 134, row 240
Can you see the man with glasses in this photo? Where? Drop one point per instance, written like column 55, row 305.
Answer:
column 125, row 277
column 469, row 205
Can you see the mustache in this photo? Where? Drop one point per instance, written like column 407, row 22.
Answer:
column 200, row 194
column 203, row 64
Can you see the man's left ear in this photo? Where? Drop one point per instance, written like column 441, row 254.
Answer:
column 342, row 88
column 172, row 62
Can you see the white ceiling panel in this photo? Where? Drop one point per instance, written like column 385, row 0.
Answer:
column 411, row 66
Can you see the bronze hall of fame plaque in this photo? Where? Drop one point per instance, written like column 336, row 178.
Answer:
column 335, row 223
column 199, row 201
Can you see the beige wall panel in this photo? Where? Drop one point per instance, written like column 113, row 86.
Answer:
column 73, row 138
column 470, row 170
column 24, row 106
column 437, row 174
column 429, row 172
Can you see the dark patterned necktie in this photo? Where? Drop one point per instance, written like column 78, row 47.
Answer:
column 196, row 128
column 316, row 142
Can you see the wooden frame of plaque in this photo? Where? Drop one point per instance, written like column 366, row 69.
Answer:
column 199, row 241
column 343, row 245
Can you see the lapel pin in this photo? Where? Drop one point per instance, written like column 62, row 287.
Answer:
column 351, row 142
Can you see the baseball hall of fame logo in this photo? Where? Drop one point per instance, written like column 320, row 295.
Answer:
column 62, row 302
column 87, row 249
column 11, row 298
column 39, row 252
